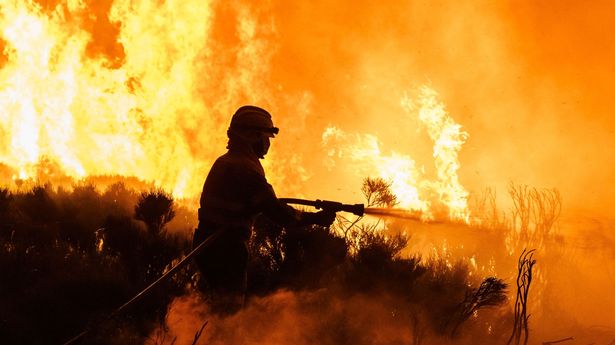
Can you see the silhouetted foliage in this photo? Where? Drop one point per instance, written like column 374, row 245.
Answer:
column 5, row 199
column 69, row 257
column 39, row 206
column 377, row 192
column 490, row 293
column 81, row 251
column 293, row 258
column 155, row 209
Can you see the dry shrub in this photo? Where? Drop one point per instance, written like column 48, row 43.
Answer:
column 75, row 249
column 155, row 209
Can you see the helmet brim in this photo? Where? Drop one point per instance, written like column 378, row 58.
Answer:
column 270, row 131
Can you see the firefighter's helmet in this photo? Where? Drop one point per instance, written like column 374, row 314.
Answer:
column 250, row 117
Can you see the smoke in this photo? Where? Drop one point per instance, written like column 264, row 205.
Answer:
column 534, row 103
column 287, row 317
column 529, row 82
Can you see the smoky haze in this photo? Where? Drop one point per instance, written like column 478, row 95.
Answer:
column 529, row 82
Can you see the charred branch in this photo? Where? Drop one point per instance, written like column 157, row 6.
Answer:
column 377, row 192
column 534, row 214
column 557, row 341
column 198, row 333
column 490, row 293
column 524, row 279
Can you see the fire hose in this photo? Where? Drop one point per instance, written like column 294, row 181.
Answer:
column 360, row 209
column 158, row 281
column 333, row 206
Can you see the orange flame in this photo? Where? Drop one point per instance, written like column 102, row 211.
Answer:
column 94, row 119
column 148, row 117
column 408, row 182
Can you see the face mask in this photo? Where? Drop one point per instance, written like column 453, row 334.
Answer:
column 261, row 146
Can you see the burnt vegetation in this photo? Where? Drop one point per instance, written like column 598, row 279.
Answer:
column 69, row 258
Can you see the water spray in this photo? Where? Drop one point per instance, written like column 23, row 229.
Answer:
column 360, row 209
column 394, row 213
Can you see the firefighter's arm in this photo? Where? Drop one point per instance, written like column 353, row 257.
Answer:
column 322, row 218
column 266, row 201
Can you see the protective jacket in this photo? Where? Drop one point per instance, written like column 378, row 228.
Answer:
column 234, row 193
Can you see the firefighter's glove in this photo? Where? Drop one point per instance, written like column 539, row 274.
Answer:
column 322, row 218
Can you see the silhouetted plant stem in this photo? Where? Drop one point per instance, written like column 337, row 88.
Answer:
column 557, row 341
column 524, row 279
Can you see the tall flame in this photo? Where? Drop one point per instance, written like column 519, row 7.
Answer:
column 408, row 181
column 146, row 112
column 448, row 139
column 93, row 118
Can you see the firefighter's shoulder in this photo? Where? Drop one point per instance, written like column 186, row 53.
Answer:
column 239, row 163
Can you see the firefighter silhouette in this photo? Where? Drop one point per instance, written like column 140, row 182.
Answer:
column 234, row 193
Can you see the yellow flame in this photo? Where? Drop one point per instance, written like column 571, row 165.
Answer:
column 149, row 116
column 93, row 118
column 448, row 139
column 413, row 189
column 365, row 157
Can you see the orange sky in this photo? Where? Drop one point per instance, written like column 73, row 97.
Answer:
column 530, row 82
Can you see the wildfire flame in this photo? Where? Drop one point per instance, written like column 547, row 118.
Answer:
column 92, row 118
column 408, row 182
column 142, row 111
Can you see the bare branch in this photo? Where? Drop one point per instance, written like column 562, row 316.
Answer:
column 557, row 341
column 197, row 335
